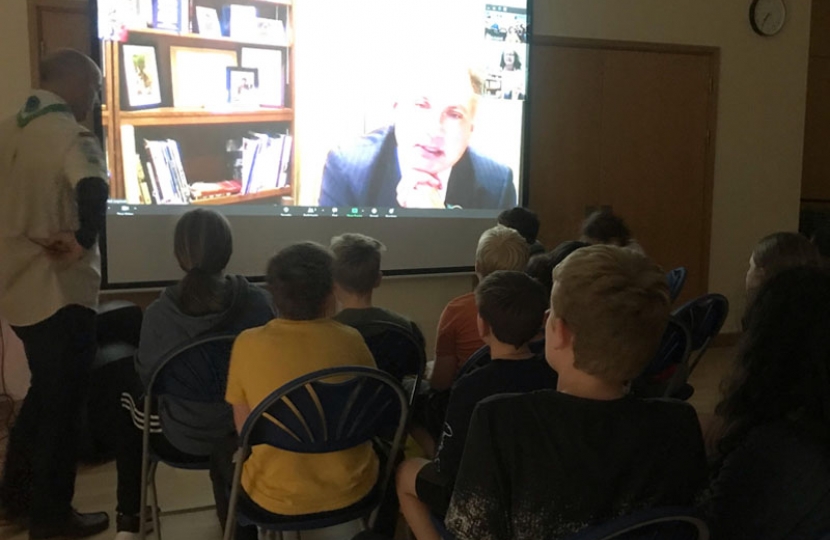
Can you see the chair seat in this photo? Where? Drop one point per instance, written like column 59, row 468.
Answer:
column 250, row 513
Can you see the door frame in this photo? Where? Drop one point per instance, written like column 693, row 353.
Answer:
column 712, row 53
column 35, row 31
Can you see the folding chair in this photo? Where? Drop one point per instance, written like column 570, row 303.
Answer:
column 326, row 411
column 653, row 524
column 676, row 279
column 196, row 371
column 704, row 317
column 481, row 358
column 666, row 372
column 396, row 351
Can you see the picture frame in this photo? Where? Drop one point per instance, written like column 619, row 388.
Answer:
column 167, row 15
column 200, row 76
column 141, row 76
column 208, row 23
column 243, row 86
column 270, row 64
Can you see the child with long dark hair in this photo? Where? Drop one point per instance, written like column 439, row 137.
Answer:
column 206, row 301
column 772, row 479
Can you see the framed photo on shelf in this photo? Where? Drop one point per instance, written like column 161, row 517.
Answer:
column 243, row 85
column 207, row 20
column 270, row 67
column 200, row 76
column 141, row 75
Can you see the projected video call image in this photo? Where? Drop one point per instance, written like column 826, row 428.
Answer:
column 425, row 112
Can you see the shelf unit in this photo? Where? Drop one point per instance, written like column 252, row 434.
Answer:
column 194, row 123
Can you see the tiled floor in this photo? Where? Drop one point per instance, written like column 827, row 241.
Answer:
column 185, row 489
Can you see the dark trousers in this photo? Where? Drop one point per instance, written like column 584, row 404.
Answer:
column 128, row 461
column 39, row 474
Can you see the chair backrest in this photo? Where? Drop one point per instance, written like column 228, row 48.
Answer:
column 651, row 524
column 676, row 279
column 327, row 411
column 477, row 360
column 704, row 317
column 395, row 348
column 196, row 371
column 481, row 358
column 331, row 410
column 674, row 349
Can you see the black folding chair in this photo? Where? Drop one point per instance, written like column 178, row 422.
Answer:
column 481, row 358
column 326, row 411
column 704, row 317
column 668, row 369
column 396, row 350
column 651, row 524
column 676, row 279
column 198, row 372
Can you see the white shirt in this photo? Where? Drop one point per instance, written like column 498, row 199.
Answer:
column 44, row 153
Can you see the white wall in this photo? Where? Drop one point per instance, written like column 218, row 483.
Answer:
column 14, row 84
column 761, row 109
column 15, row 77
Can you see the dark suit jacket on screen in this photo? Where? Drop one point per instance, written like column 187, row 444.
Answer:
column 367, row 174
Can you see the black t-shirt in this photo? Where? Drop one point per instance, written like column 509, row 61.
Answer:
column 546, row 464
column 774, row 486
column 497, row 377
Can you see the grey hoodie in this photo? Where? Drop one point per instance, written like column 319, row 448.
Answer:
column 194, row 427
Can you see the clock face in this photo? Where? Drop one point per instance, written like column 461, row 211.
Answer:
column 768, row 16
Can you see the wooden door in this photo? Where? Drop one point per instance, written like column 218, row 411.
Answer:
column 566, row 89
column 654, row 144
column 629, row 126
column 58, row 24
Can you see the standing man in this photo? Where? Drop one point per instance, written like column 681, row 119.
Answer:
column 53, row 195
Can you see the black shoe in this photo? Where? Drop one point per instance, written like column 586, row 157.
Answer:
column 77, row 526
column 13, row 518
column 125, row 523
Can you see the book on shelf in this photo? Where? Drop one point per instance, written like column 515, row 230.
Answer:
column 265, row 161
column 203, row 190
column 238, row 21
column 165, row 173
column 130, row 163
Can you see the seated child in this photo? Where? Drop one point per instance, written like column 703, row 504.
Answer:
column 511, row 309
column 526, row 223
column 205, row 301
column 772, row 467
column 303, row 340
column 499, row 248
column 356, row 275
column 605, row 227
column 547, row 464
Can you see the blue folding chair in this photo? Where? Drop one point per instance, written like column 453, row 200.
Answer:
column 198, row 372
column 704, row 317
column 666, row 372
column 396, row 351
column 325, row 411
column 676, row 279
column 671, row 523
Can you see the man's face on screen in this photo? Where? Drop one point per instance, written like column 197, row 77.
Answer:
column 433, row 126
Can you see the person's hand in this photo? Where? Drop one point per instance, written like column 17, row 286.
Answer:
column 62, row 247
column 418, row 189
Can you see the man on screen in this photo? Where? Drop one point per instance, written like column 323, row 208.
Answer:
column 424, row 159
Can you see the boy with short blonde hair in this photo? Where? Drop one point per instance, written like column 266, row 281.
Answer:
column 547, row 464
column 499, row 248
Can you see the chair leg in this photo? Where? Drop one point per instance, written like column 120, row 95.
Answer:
column 155, row 507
